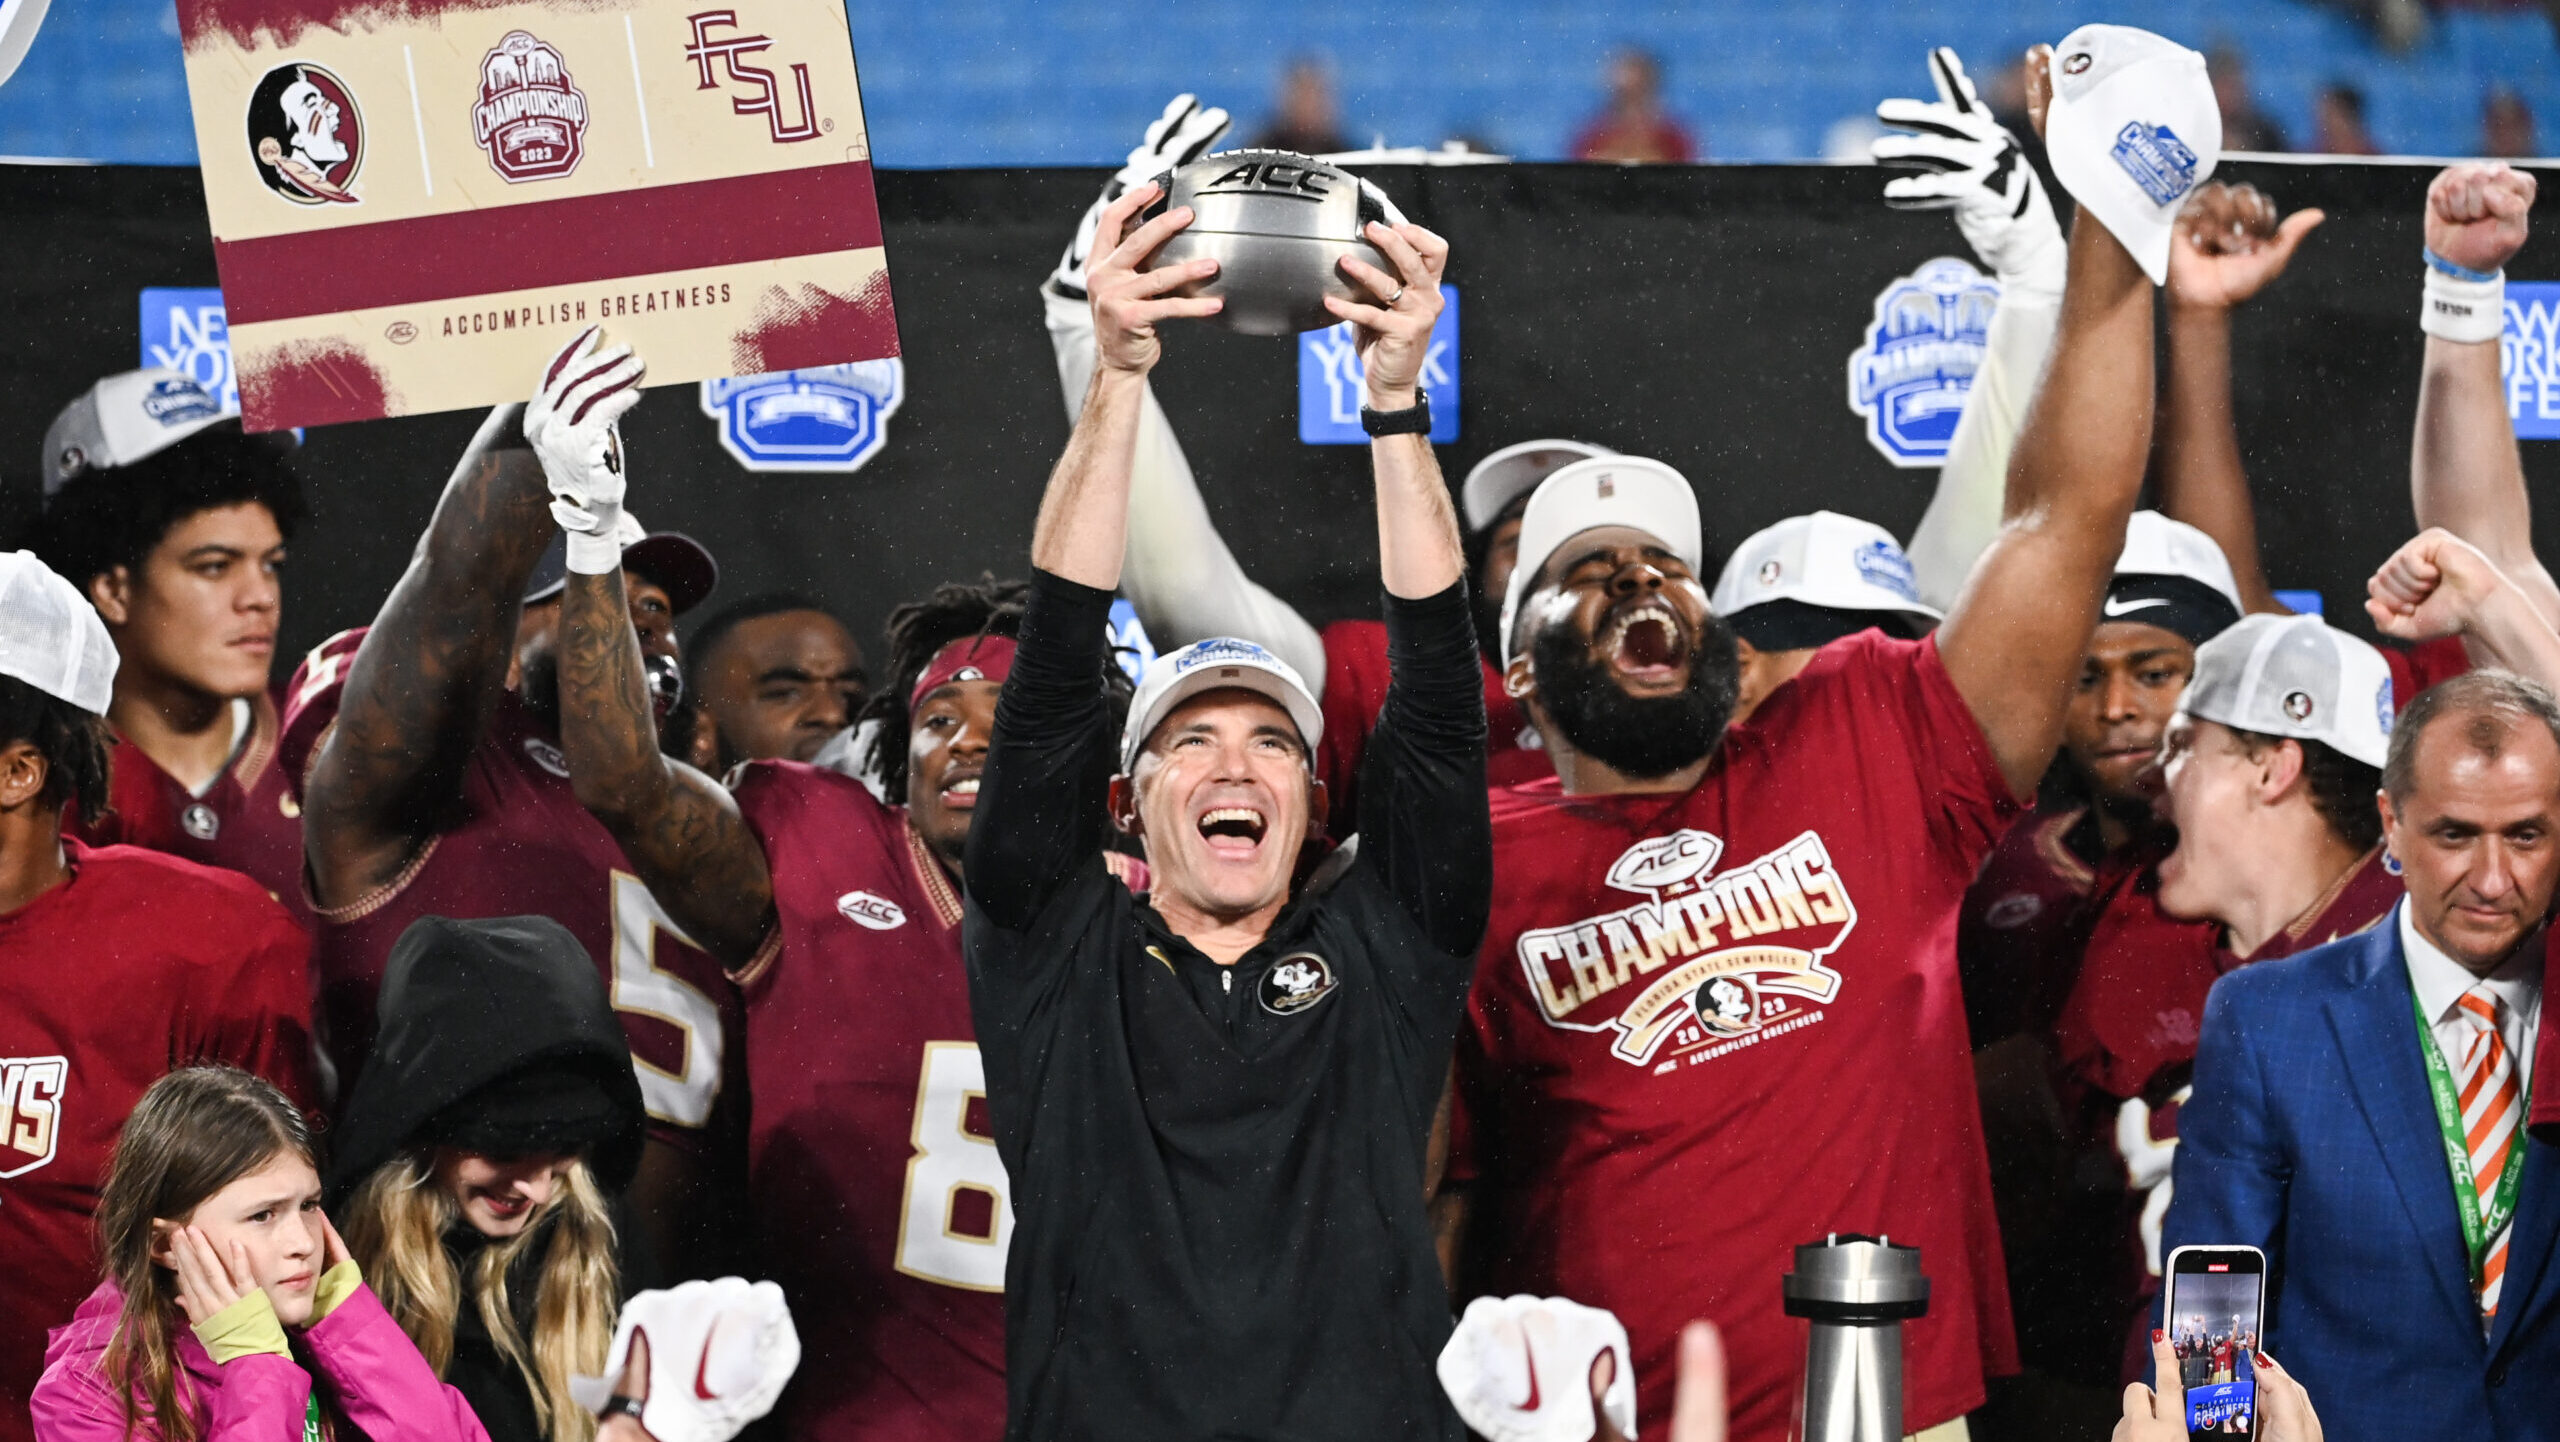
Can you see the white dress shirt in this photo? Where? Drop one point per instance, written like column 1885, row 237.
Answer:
column 2440, row 982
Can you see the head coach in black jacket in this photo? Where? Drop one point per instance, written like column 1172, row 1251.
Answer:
column 1213, row 1101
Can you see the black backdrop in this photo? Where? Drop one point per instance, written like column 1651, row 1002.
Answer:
column 1700, row 314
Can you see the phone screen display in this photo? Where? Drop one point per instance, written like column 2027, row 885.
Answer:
column 2214, row 1309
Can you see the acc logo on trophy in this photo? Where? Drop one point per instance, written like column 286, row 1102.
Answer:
column 531, row 119
column 31, row 1090
column 825, row 418
column 306, row 136
column 762, row 96
column 1910, row 379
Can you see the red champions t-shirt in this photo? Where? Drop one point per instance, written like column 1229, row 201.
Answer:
column 521, row 845
column 1355, row 686
column 139, row 963
column 247, row 821
column 1711, row 1027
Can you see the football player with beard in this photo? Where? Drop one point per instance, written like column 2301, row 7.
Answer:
column 1615, row 1146
column 427, row 755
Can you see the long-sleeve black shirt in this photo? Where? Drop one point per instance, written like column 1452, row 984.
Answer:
column 1217, row 1181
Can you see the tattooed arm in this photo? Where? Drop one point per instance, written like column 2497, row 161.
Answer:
column 420, row 691
column 679, row 828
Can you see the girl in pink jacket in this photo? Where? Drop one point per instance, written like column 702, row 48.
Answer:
column 230, row 1310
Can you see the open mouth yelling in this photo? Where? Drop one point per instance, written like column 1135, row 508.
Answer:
column 1234, row 833
column 960, row 793
column 1645, row 643
column 507, row 1206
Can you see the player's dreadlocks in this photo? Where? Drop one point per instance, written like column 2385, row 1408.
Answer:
column 917, row 630
column 72, row 742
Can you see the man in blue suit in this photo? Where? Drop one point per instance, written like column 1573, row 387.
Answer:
column 2332, row 1129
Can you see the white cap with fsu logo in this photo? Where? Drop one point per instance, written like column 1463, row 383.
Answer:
column 1514, row 471
column 2295, row 676
column 1627, row 491
column 2132, row 131
column 1830, row 561
column 1215, row 664
column 51, row 637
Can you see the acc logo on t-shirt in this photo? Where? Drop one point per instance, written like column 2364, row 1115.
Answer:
column 31, row 1090
column 1744, row 946
column 876, row 912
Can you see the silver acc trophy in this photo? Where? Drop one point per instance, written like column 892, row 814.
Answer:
column 1278, row 224
column 1857, row 1291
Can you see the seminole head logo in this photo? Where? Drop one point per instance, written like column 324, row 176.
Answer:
column 1708, row 956
column 531, row 119
column 306, row 136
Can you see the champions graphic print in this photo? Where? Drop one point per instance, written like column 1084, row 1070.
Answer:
column 306, row 134
column 1708, row 961
column 31, row 1090
column 531, row 119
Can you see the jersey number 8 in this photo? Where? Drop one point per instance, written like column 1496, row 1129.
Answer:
column 957, row 1220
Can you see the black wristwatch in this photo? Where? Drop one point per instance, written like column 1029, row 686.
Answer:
column 619, row 1405
column 1413, row 420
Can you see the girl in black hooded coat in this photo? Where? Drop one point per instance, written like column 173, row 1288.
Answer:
column 475, row 1160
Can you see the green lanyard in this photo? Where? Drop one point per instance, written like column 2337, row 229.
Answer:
column 2476, row 1229
column 311, row 1418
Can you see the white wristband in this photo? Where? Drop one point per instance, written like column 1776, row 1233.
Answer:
column 591, row 554
column 2469, row 311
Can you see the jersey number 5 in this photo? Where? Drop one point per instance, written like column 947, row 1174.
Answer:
column 684, row 1096
column 957, row 1221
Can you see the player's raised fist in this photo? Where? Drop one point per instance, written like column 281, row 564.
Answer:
column 2476, row 213
column 1129, row 303
column 2229, row 245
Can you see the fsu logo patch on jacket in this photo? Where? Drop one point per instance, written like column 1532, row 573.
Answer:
column 1707, row 961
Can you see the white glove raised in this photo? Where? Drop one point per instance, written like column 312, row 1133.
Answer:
column 1518, row 1369
column 719, row 1354
column 1974, row 166
column 1178, row 137
column 571, row 424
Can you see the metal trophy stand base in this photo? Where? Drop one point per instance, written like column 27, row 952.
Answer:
column 1857, row 1291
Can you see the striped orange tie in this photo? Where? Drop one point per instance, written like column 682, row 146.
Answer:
column 2492, row 1112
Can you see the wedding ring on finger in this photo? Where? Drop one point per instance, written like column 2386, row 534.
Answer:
column 1399, row 295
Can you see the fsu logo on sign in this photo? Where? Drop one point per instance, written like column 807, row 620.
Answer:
column 763, row 97
column 531, row 120
column 306, row 136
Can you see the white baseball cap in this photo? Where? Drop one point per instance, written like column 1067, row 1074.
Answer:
column 2133, row 129
column 51, row 637
column 1611, row 490
column 2173, row 576
column 126, row 418
column 1210, row 665
column 2295, row 676
column 1826, row 559
column 1502, row 477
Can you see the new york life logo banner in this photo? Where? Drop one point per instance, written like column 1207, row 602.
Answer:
column 2529, row 358
column 1330, row 375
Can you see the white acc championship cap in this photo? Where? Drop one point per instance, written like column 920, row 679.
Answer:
column 2133, row 129
column 123, row 419
column 1211, row 665
column 1511, row 472
column 51, row 637
column 2295, row 676
column 1826, row 559
column 1610, row 490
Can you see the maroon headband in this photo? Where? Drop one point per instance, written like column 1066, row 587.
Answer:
column 971, row 658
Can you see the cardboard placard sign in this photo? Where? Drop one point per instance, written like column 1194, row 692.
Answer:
column 415, row 202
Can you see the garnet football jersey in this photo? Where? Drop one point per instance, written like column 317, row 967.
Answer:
column 1712, row 1026
column 246, row 821
column 2024, row 918
column 1355, row 686
column 521, row 845
column 872, row 1172
column 2415, row 668
column 139, row 963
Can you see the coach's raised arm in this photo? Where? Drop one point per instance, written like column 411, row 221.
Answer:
column 1213, row 1100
